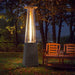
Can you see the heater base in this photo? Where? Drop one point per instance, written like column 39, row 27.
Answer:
column 30, row 55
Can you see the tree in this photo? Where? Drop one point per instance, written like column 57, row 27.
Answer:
column 12, row 15
column 49, row 12
column 72, row 4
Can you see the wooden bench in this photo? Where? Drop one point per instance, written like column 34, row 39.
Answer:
column 69, row 52
column 69, row 49
column 52, row 51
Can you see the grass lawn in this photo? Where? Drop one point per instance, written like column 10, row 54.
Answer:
column 11, row 64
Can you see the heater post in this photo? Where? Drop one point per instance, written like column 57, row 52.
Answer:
column 30, row 56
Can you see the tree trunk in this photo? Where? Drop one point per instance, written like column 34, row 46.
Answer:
column 46, row 31
column 42, row 34
column 16, row 35
column 53, row 29
column 59, row 33
column 71, row 24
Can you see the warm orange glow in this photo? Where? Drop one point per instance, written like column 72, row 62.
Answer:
column 30, row 28
column 30, row 34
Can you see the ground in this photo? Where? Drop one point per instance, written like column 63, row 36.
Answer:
column 11, row 64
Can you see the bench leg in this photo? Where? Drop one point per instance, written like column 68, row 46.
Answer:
column 59, row 60
column 45, row 61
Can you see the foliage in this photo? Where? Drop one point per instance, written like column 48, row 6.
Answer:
column 10, row 29
column 3, row 23
column 49, row 12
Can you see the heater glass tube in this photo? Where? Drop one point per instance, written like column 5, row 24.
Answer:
column 30, row 33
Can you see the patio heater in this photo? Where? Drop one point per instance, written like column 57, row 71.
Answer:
column 30, row 54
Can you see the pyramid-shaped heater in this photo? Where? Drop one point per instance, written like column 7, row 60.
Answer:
column 30, row 54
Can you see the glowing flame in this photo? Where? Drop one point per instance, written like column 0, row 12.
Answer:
column 30, row 36
column 30, row 28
